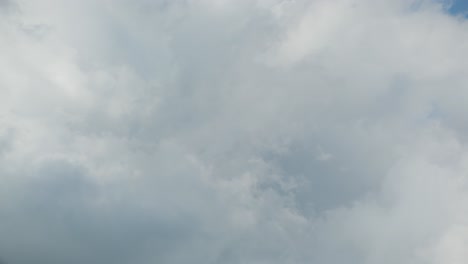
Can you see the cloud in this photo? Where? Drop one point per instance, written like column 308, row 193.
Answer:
column 266, row 131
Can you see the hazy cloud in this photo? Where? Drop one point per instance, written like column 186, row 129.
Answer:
column 203, row 131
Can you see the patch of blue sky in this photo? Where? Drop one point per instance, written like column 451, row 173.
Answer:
column 459, row 8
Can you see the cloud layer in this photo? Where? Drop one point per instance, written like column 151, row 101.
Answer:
column 219, row 131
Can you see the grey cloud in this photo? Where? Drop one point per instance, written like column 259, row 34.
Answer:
column 207, row 131
column 5, row 3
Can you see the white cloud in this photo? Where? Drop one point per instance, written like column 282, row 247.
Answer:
column 232, row 132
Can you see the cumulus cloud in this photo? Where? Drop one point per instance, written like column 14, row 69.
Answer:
column 203, row 131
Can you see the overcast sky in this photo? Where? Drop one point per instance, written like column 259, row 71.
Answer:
column 233, row 132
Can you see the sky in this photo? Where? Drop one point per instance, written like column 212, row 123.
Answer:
column 459, row 7
column 233, row 132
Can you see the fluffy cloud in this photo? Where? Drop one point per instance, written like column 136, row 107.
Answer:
column 203, row 131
